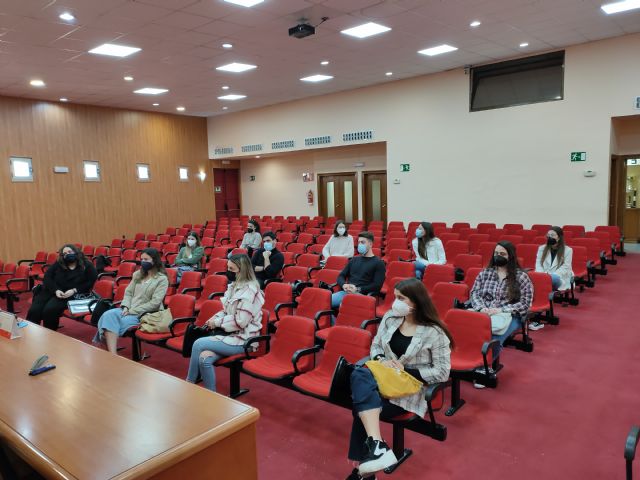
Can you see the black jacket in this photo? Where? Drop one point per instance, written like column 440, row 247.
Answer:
column 59, row 278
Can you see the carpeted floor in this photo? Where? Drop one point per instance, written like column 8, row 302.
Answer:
column 561, row 412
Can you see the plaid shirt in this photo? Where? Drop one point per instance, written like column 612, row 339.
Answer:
column 489, row 291
column 428, row 352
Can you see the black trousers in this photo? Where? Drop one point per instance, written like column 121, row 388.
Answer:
column 46, row 308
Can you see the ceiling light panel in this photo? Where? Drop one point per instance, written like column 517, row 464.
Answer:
column 151, row 91
column 245, row 3
column 439, row 50
column 617, row 7
column 366, row 30
column 236, row 67
column 317, row 78
column 114, row 50
column 232, row 96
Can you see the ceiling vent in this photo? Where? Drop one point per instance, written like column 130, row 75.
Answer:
column 310, row 142
column 357, row 136
column 223, row 151
column 252, row 148
column 283, row 144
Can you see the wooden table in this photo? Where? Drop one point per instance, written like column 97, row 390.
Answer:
column 98, row 416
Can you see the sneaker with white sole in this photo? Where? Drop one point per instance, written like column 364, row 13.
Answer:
column 536, row 326
column 479, row 386
column 355, row 475
column 378, row 456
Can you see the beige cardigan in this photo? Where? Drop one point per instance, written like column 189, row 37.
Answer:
column 145, row 296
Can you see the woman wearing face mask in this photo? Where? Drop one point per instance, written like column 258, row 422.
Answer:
column 555, row 259
column 252, row 239
column 503, row 288
column 72, row 274
column 144, row 294
column 411, row 337
column 241, row 319
column 427, row 248
column 340, row 244
column 189, row 257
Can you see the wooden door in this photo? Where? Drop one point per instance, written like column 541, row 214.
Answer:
column 227, row 192
column 375, row 196
column 338, row 196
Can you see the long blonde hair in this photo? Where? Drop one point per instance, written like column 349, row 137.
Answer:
column 245, row 274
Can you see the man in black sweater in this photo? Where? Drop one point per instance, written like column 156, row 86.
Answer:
column 267, row 261
column 363, row 274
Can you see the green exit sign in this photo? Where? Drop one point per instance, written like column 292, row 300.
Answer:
column 405, row 167
column 578, row 156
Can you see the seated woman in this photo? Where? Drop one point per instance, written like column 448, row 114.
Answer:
column 340, row 244
column 189, row 257
column 252, row 239
column 427, row 248
column 503, row 288
column 144, row 294
column 241, row 319
column 72, row 274
column 410, row 337
column 555, row 259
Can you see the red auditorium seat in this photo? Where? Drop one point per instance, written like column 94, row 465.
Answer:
column 437, row 273
column 355, row 310
column 445, row 294
column 313, row 303
column 207, row 310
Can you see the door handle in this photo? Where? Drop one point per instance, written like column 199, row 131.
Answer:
column 384, row 206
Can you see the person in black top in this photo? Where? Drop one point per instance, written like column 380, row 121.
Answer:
column 267, row 261
column 363, row 274
column 72, row 274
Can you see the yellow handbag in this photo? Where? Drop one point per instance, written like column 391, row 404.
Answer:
column 392, row 382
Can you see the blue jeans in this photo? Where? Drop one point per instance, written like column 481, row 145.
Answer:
column 556, row 281
column 113, row 321
column 420, row 268
column 203, row 365
column 336, row 298
column 365, row 395
column 515, row 324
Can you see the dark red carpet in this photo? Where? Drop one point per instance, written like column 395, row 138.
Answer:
column 561, row 412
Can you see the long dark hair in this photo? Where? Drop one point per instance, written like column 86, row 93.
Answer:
column 81, row 261
column 157, row 262
column 560, row 247
column 255, row 224
column 429, row 234
column 196, row 236
column 425, row 312
column 335, row 228
column 513, row 267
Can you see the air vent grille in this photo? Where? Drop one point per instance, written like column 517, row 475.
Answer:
column 223, row 150
column 283, row 144
column 357, row 136
column 309, row 142
column 252, row 148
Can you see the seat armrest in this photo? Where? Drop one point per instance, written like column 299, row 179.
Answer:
column 272, row 280
column 494, row 345
column 301, row 353
column 106, row 274
column 279, row 306
column 632, row 443
column 191, row 289
column 430, row 392
column 322, row 313
column 123, row 277
column 216, row 294
column 372, row 321
column 258, row 339
column 26, row 260
column 179, row 320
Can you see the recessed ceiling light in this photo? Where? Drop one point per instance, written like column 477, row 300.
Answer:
column 225, row 87
column 150, row 91
column 227, row 45
column 317, row 78
column 245, row 3
column 128, row 78
column 156, row 104
column 257, row 156
column 617, row 7
column 388, row 74
column 236, row 67
column 114, row 50
column 440, row 49
column 524, row 44
column 37, row 83
column 180, row 109
column 66, row 16
column 475, row 23
column 225, row 108
column 324, row 62
column 366, row 30
column 232, row 96
column 63, row 99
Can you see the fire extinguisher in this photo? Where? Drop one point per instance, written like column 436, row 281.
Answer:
column 310, row 197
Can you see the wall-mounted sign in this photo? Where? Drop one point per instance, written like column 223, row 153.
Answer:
column 252, row 178
column 307, row 177
column 218, row 189
column 578, row 156
column 405, row 167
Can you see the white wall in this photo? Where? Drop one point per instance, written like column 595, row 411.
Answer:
column 505, row 165
column 278, row 188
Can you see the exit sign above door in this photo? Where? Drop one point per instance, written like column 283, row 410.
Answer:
column 405, row 167
column 578, row 156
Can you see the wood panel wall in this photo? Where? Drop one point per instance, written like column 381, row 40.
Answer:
column 60, row 208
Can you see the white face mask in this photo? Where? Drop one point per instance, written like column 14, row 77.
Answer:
column 341, row 230
column 191, row 242
column 400, row 308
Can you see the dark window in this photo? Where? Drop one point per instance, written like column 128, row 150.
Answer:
column 518, row 82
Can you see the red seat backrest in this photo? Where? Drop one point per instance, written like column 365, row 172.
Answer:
column 541, row 228
column 208, row 310
column 541, row 289
column 466, row 261
column 311, row 301
column 528, row 252
column 336, row 263
column 485, row 227
column 485, row 250
column 181, row 306
column 214, row 284
column 104, row 288
column 308, row 260
column 577, row 230
column 447, row 237
column 475, row 240
column 515, row 239
column 444, row 294
column 455, row 247
column 306, row 238
column 470, row 277
column 470, row 330
column 326, row 275
column 293, row 333
column 355, row 309
column 437, row 273
column 190, row 280
column 276, row 293
column 293, row 273
column 351, row 343
column 398, row 270
column 512, row 227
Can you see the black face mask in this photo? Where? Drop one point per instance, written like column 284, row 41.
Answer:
column 250, row 230
column 231, row 276
column 146, row 266
column 499, row 261
column 70, row 257
column 551, row 241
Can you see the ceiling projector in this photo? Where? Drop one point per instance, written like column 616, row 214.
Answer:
column 302, row 30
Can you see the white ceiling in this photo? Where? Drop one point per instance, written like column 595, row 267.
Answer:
column 181, row 43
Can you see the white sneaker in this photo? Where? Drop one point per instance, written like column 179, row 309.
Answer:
column 536, row 326
column 378, row 456
column 479, row 386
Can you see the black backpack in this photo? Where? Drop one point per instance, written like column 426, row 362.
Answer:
column 102, row 262
column 100, row 306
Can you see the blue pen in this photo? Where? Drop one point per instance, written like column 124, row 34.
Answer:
column 40, row 370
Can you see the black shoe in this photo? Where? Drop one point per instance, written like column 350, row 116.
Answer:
column 356, row 476
column 378, row 456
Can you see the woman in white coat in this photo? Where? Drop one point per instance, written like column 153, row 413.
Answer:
column 427, row 248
